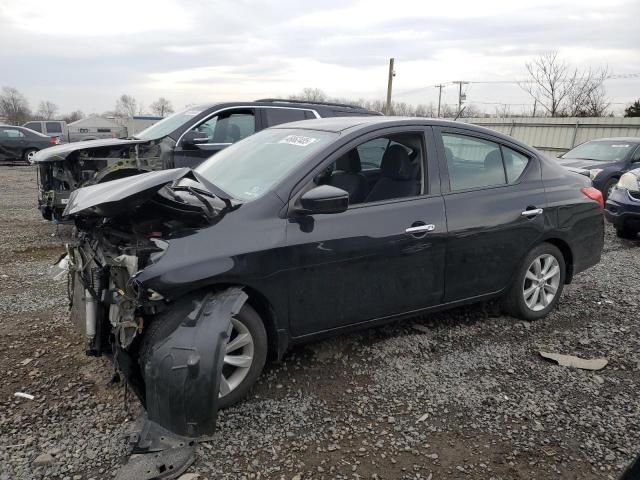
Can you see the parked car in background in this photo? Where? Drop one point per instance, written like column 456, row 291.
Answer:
column 184, row 139
column 50, row 128
column 19, row 143
column 623, row 205
column 606, row 159
column 193, row 278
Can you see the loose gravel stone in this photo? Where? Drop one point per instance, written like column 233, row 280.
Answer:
column 458, row 394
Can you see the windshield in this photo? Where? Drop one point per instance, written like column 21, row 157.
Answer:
column 249, row 168
column 167, row 125
column 601, row 151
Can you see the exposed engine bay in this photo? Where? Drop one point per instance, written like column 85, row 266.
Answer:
column 70, row 166
column 122, row 228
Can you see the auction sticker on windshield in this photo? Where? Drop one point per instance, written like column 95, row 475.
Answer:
column 299, row 140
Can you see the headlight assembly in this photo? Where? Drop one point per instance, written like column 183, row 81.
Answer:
column 629, row 181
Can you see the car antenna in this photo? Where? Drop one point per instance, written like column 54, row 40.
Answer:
column 459, row 113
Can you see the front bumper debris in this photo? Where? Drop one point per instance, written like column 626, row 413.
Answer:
column 182, row 380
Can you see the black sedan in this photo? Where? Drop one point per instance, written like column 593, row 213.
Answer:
column 19, row 143
column 623, row 205
column 195, row 277
column 606, row 159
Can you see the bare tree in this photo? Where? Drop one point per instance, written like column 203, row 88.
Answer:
column 73, row 116
column 561, row 89
column 14, row 106
column 47, row 110
column 126, row 106
column 470, row 110
column 588, row 97
column 161, row 107
column 310, row 95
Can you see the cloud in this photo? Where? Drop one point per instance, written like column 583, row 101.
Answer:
column 83, row 55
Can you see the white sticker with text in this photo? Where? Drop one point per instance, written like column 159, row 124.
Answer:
column 299, row 140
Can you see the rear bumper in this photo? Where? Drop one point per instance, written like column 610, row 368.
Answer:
column 623, row 210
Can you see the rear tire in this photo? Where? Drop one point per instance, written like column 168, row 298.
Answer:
column 626, row 233
column 28, row 154
column 247, row 321
column 537, row 285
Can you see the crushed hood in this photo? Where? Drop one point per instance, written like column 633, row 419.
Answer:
column 61, row 152
column 135, row 190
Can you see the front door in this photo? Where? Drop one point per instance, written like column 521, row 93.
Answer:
column 385, row 254
column 495, row 211
column 222, row 129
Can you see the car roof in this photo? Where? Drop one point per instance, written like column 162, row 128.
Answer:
column 342, row 124
column 615, row 139
column 268, row 102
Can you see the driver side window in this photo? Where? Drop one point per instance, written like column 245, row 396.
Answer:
column 228, row 127
column 384, row 168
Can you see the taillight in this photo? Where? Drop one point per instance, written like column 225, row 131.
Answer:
column 54, row 141
column 593, row 194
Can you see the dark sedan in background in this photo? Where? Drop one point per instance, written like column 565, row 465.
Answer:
column 193, row 278
column 606, row 159
column 19, row 143
column 623, row 205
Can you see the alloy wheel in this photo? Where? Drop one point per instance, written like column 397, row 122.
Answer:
column 30, row 155
column 238, row 357
column 541, row 282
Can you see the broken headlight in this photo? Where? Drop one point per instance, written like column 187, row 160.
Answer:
column 629, row 181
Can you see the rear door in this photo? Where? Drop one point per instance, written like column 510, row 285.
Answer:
column 494, row 200
column 13, row 142
column 377, row 259
column 222, row 129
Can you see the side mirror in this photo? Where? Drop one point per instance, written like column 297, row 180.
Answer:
column 324, row 199
column 193, row 138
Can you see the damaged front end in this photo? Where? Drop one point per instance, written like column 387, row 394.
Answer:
column 121, row 229
column 67, row 167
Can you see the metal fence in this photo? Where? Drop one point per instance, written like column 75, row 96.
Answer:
column 555, row 136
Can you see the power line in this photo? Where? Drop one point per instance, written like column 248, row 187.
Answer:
column 619, row 76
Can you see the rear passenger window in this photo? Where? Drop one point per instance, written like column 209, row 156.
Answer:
column 473, row 162
column 53, row 127
column 514, row 163
column 276, row 116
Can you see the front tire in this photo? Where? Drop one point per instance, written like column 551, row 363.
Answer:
column 538, row 284
column 246, row 350
column 626, row 233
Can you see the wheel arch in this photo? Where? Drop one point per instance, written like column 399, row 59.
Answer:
column 276, row 343
column 567, row 253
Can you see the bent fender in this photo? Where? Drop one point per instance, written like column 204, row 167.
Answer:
column 184, row 370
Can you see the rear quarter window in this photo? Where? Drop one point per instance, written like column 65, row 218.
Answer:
column 514, row 163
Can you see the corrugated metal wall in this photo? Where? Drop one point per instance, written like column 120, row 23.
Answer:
column 555, row 136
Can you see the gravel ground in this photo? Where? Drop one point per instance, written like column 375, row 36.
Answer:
column 461, row 394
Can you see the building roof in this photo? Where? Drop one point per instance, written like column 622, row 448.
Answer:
column 94, row 122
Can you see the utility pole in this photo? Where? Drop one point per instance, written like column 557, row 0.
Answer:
column 439, row 87
column 461, row 96
column 390, row 85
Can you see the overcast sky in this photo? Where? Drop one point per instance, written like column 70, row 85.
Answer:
column 83, row 54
